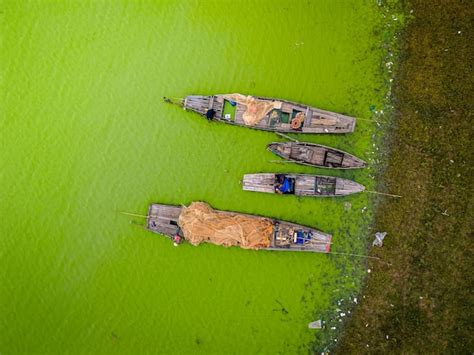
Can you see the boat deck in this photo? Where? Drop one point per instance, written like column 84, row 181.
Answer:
column 316, row 155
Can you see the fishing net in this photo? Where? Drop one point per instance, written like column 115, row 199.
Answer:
column 256, row 109
column 200, row 223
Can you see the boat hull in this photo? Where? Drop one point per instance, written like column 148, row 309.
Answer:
column 286, row 236
column 276, row 115
column 316, row 155
column 302, row 184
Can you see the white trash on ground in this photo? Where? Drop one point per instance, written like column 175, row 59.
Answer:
column 379, row 236
column 315, row 325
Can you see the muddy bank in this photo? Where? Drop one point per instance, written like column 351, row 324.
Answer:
column 422, row 301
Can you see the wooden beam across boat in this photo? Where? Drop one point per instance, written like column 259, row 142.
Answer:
column 300, row 185
column 269, row 114
column 316, row 155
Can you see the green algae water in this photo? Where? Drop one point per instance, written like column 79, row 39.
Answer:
column 85, row 134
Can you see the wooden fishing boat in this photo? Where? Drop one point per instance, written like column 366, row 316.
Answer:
column 316, row 155
column 268, row 114
column 300, row 184
column 277, row 235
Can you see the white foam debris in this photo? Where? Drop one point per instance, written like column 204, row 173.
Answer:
column 315, row 325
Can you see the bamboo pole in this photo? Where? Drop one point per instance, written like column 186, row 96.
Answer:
column 367, row 119
column 382, row 193
column 287, row 137
column 357, row 255
column 173, row 100
column 132, row 214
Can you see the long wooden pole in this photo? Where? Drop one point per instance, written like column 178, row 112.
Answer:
column 358, row 255
column 173, row 100
column 367, row 119
column 287, row 137
column 382, row 193
column 132, row 214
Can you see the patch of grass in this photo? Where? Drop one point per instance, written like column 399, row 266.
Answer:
column 420, row 302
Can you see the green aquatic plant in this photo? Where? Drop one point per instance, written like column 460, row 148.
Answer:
column 85, row 134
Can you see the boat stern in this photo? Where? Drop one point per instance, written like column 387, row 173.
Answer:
column 259, row 182
column 352, row 162
column 163, row 219
column 282, row 149
column 197, row 103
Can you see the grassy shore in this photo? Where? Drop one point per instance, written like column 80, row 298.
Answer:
column 421, row 301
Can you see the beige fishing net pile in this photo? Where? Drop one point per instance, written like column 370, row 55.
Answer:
column 200, row 223
column 256, row 109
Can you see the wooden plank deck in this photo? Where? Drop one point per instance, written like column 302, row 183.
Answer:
column 259, row 182
column 304, row 185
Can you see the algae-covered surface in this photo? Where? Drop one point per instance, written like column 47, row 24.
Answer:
column 85, row 134
column 419, row 300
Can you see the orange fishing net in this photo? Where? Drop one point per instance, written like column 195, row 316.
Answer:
column 200, row 223
column 256, row 109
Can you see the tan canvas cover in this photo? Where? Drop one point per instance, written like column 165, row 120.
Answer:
column 200, row 223
column 256, row 109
